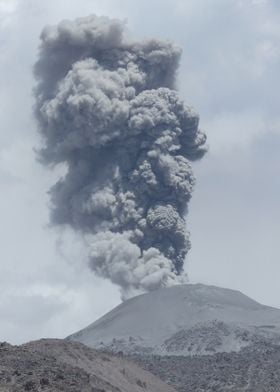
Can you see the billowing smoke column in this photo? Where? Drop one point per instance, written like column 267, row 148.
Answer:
column 106, row 106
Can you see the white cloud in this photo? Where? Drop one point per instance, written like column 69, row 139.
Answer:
column 232, row 131
column 8, row 6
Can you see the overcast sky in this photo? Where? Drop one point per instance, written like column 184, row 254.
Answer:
column 230, row 73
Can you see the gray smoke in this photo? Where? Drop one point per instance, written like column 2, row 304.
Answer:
column 107, row 107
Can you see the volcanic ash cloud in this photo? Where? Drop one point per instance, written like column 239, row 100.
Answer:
column 106, row 106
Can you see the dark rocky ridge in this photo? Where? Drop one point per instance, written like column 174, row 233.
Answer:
column 52, row 365
column 253, row 369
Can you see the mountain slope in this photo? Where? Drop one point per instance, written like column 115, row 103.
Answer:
column 252, row 369
column 52, row 365
column 184, row 320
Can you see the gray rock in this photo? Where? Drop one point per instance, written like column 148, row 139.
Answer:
column 52, row 365
column 253, row 369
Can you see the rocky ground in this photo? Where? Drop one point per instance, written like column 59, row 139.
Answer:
column 52, row 365
column 253, row 369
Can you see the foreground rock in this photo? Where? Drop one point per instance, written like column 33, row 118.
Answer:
column 254, row 368
column 52, row 365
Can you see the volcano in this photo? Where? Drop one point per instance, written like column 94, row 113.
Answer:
column 192, row 319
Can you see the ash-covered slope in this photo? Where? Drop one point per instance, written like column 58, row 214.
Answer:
column 184, row 320
column 253, row 369
column 52, row 365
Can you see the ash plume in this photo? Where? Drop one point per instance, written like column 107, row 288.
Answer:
column 107, row 107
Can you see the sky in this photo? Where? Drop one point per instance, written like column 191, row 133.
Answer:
column 230, row 73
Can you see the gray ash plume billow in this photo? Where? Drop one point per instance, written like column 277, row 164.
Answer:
column 107, row 107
